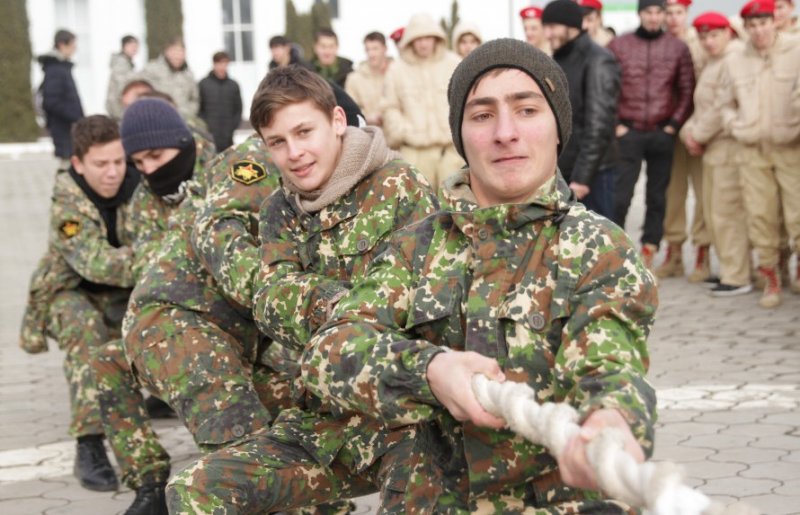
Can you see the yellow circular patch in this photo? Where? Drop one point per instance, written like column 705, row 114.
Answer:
column 247, row 172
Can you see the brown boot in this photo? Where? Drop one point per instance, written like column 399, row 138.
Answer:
column 771, row 298
column 702, row 265
column 783, row 265
column 673, row 264
column 649, row 252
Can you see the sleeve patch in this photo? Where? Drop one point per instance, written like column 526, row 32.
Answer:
column 69, row 228
column 247, row 172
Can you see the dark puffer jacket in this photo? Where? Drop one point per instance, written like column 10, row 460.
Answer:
column 220, row 108
column 593, row 78
column 60, row 101
column 657, row 80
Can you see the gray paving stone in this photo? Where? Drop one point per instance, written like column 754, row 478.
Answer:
column 717, row 441
column 785, row 442
column 757, row 430
column 740, row 487
column 775, row 504
column 681, row 454
column 28, row 489
column 747, row 455
column 711, row 470
column 791, row 487
column 693, row 428
column 31, row 506
column 787, row 471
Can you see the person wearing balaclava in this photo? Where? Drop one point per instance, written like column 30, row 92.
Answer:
column 172, row 163
column 655, row 100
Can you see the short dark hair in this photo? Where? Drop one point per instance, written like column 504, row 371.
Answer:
column 154, row 93
column 63, row 37
column 128, row 39
column 287, row 85
column 278, row 41
column 136, row 82
column 96, row 129
column 375, row 36
column 325, row 32
column 220, row 56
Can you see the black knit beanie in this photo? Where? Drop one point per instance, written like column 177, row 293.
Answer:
column 644, row 4
column 510, row 53
column 564, row 12
column 152, row 123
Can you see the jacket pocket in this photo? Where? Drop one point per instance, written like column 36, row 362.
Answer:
column 431, row 309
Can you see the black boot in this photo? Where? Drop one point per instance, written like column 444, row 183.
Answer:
column 150, row 500
column 92, row 467
column 157, row 408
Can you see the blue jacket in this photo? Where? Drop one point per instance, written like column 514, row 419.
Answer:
column 60, row 101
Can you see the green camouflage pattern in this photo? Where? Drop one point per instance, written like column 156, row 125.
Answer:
column 192, row 345
column 126, row 423
column 306, row 260
column 571, row 321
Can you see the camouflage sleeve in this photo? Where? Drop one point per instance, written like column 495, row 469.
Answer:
column 363, row 360
column 83, row 244
column 603, row 357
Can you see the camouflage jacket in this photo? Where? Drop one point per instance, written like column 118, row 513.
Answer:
column 77, row 250
column 557, row 294
column 151, row 213
column 226, row 231
column 308, row 260
column 178, row 278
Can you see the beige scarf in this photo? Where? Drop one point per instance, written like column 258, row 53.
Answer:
column 364, row 151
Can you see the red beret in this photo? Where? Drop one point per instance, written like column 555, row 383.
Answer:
column 685, row 3
column 397, row 35
column 758, row 8
column 530, row 12
column 710, row 21
column 592, row 4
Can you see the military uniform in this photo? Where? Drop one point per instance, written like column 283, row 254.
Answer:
column 308, row 260
column 79, row 290
column 179, row 328
column 722, row 190
column 758, row 105
column 686, row 168
column 557, row 294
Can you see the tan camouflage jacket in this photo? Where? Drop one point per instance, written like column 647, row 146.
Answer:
column 558, row 295
column 77, row 250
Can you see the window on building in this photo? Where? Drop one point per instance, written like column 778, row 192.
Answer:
column 237, row 29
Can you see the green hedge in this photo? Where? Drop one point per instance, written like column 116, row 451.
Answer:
column 17, row 118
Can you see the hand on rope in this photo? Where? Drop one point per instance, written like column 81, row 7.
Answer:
column 657, row 487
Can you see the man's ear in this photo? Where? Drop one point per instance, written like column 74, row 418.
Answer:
column 77, row 164
column 339, row 121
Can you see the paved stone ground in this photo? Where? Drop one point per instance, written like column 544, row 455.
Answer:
column 727, row 374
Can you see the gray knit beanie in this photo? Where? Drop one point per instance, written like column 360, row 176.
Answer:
column 510, row 53
column 152, row 123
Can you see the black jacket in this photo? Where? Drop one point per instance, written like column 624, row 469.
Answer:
column 60, row 101
column 220, row 108
column 594, row 81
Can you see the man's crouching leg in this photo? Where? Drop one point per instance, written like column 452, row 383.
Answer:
column 261, row 474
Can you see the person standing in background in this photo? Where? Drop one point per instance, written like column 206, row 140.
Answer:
column 170, row 74
column 785, row 20
column 60, row 100
column 686, row 169
column 655, row 100
column 121, row 74
column 532, row 24
column 326, row 61
column 220, row 102
column 365, row 84
column 593, row 22
column 466, row 38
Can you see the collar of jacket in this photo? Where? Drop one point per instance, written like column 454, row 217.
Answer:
column 551, row 202
column 580, row 42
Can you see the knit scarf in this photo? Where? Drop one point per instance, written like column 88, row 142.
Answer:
column 364, row 151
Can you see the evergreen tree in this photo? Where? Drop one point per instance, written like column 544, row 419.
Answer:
column 164, row 21
column 300, row 28
column 449, row 27
column 17, row 118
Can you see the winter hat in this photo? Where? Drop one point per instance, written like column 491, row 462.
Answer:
column 563, row 12
column 510, row 53
column 758, row 8
column 153, row 123
column 644, row 4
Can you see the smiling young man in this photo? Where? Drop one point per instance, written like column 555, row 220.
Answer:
column 80, row 288
column 514, row 280
column 343, row 194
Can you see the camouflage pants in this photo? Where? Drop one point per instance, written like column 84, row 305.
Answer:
column 76, row 321
column 268, row 473
column 199, row 370
column 125, row 420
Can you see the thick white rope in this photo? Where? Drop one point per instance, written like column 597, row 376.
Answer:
column 656, row 487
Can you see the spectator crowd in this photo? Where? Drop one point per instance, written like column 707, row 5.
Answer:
column 290, row 298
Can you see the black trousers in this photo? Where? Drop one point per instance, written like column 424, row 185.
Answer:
column 655, row 148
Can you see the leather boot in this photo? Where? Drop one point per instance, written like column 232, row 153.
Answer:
column 150, row 500
column 673, row 264
column 702, row 265
column 771, row 298
column 92, row 467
